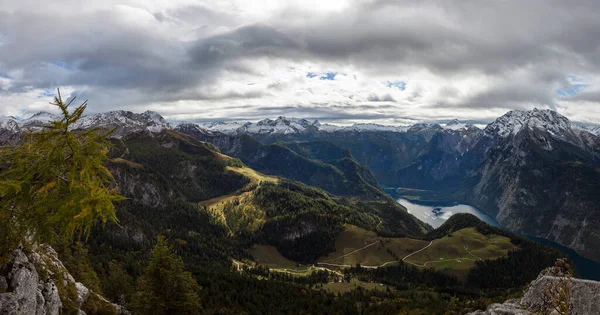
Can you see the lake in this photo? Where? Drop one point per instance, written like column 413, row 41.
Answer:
column 436, row 213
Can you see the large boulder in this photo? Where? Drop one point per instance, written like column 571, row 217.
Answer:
column 584, row 296
column 39, row 284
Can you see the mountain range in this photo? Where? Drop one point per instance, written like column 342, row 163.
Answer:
column 288, row 197
column 535, row 171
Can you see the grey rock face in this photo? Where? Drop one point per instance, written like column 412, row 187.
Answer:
column 52, row 303
column 584, row 298
column 510, row 307
column 82, row 294
column 25, row 294
column 8, row 304
column 24, row 283
column 584, row 295
column 3, row 284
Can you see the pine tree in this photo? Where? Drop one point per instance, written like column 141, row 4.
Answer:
column 55, row 181
column 165, row 288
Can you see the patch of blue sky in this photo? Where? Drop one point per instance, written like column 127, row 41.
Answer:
column 47, row 93
column 328, row 76
column 5, row 75
column 401, row 85
column 572, row 90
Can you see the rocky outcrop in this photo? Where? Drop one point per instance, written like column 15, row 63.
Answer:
column 583, row 297
column 39, row 284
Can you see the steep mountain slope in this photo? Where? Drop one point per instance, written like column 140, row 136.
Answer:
column 385, row 150
column 539, row 175
column 319, row 164
column 534, row 171
column 167, row 174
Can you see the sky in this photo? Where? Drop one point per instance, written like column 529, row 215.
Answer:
column 382, row 61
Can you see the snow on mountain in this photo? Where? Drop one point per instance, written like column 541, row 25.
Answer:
column 456, row 125
column 223, row 127
column 281, row 125
column 548, row 121
column 37, row 121
column 591, row 128
column 9, row 123
column 124, row 122
column 374, row 127
column 514, row 121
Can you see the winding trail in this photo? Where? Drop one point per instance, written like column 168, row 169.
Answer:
column 378, row 266
column 420, row 250
column 467, row 249
column 441, row 261
column 352, row 252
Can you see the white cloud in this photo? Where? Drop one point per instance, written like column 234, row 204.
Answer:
column 234, row 59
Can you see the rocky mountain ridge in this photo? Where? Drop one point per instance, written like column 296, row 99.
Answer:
column 289, row 125
column 123, row 122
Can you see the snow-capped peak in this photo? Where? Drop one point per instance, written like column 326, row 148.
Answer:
column 456, row 125
column 124, row 122
column 514, row 121
column 43, row 116
column 281, row 125
column 424, row 126
column 374, row 127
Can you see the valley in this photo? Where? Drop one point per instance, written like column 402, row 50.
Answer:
column 301, row 216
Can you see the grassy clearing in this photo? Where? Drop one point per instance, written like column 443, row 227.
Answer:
column 448, row 254
column 354, row 238
column 457, row 253
column 243, row 215
column 343, row 287
column 269, row 256
column 254, row 176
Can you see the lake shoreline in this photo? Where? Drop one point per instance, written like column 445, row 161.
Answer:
column 427, row 211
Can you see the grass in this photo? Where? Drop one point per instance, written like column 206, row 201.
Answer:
column 255, row 178
column 269, row 256
column 343, row 287
column 245, row 215
column 355, row 245
column 353, row 238
column 448, row 254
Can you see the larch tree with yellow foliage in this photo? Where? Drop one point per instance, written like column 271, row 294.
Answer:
column 54, row 182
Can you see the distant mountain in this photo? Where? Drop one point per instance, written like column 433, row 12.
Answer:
column 317, row 163
column 538, row 174
column 290, row 126
column 592, row 128
column 534, row 171
column 123, row 122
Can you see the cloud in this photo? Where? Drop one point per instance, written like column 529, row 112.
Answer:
column 468, row 59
